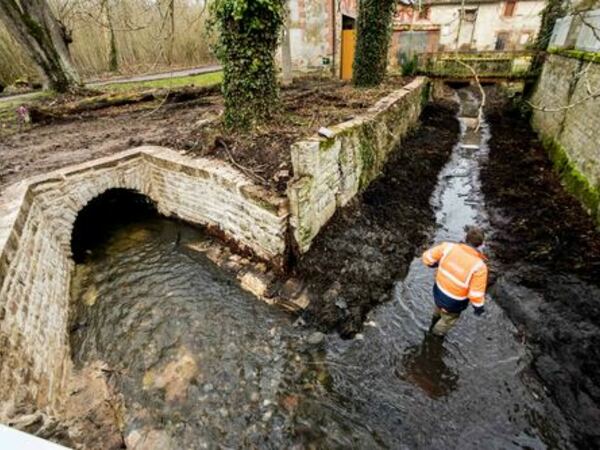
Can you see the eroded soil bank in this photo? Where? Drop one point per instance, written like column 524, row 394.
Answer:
column 368, row 245
column 546, row 256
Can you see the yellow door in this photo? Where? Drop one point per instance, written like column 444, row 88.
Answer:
column 348, row 44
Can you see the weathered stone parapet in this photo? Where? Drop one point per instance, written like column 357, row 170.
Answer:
column 487, row 64
column 567, row 118
column 329, row 172
column 36, row 220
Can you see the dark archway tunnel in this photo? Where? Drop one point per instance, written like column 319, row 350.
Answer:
column 104, row 214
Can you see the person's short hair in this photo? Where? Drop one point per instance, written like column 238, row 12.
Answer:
column 475, row 236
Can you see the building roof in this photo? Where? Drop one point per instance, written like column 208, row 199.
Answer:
column 458, row 2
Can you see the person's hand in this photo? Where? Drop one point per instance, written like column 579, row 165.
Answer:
column 479, row 311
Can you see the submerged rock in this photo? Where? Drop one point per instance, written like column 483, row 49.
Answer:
column 316, row 338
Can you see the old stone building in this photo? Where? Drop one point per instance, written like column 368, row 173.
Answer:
column 323, row 32
column 316, row 33
column 483, row 24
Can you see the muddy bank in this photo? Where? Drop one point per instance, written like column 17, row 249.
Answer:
column 546, row 255
column 368, row 245
column 192, row 126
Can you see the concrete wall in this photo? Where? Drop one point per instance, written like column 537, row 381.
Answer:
column 36, row 219
column 330, row 172
column 568, row 121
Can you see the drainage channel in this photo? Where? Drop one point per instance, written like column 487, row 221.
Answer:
column 200, row 364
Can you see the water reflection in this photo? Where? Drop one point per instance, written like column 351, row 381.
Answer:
column 423, row 366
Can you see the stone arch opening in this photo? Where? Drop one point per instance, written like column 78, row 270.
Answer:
column 114, row 208
column 457, row 84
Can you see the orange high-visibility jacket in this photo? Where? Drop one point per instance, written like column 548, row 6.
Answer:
column 461, row 275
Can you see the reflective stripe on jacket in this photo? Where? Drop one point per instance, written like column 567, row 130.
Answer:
column 461, row 275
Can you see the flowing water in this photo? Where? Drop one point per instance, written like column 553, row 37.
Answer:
column 201, row 364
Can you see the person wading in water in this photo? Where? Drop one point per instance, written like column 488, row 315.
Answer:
column 461, row 278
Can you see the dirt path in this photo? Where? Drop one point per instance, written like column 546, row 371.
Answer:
column 48, row 147
column 547, row 260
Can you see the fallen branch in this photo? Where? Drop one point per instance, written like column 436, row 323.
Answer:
column 232, row 160
column 47, row 114
column 483, row 98
column 43, row 114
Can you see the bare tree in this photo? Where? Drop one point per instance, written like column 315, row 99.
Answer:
column 286, row 51
column 45, row 39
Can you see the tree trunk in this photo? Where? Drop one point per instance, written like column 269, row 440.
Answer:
column 45, row 39
column 113, row 53
column 248, row 39
column 374, row 30
column 286, row 53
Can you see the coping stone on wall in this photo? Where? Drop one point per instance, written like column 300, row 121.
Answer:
column 328, row 173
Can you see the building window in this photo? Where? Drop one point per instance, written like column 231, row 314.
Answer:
column 424, row 12
column 509, row 8
column 470, row 14
column 502, row 40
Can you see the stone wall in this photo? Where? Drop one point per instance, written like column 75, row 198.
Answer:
column 568, row 121
column 36, row 220
column 486, row 64
column 37, row 216
column 328, row 172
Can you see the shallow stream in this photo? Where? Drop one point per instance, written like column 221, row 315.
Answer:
column 202, row 364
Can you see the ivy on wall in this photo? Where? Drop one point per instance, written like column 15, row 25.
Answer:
column 554, row 10
column 249, row 31
column 374, row 31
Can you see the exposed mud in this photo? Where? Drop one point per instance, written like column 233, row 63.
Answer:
column 354, row 262
column 193, row 127
column 547, row 258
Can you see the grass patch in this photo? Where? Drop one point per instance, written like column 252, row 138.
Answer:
column 204, row 79
column 11, row 104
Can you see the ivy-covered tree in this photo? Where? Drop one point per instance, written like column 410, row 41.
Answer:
column 249, row 32
column 44, row 38
column 374, row 31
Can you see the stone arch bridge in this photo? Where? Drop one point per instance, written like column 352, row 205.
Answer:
column 36, row 221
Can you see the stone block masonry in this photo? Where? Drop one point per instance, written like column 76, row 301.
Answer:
column 566, row 115
column 36, row 220
column 329, row 172
column 37, row 217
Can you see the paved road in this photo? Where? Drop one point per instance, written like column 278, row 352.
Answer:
column 133, row 79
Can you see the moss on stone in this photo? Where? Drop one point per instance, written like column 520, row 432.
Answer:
column 577, row 54
column 574, row 181
column 326, row 144
column 305, row 234
column 368, row 155
column 425, row 91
